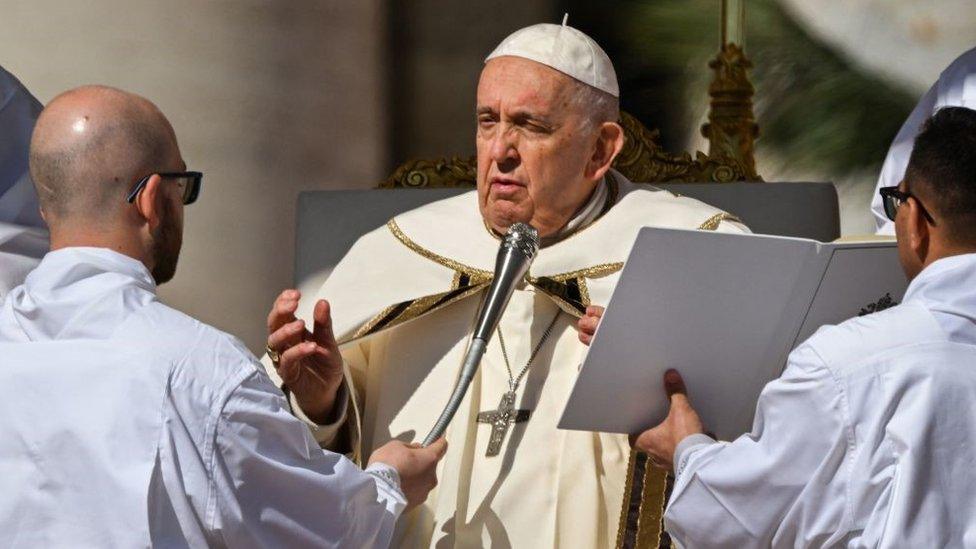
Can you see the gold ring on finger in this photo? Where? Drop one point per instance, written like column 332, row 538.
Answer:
column 274, row 355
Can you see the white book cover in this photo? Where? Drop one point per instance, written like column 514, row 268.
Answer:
column 725, row 310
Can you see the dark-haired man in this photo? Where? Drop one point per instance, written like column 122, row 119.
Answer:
column 869, row 437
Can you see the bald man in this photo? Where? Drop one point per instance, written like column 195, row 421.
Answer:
column 125, row 422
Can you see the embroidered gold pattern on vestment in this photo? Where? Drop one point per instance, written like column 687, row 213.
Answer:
column 713, row 222
column 477, row 275
column 641, row 515
column 596, row 271
column 395, row 315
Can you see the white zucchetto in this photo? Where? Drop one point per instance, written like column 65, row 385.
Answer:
column 565, row 49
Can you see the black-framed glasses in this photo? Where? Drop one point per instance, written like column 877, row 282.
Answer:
column 190, row 181
column 891, row 198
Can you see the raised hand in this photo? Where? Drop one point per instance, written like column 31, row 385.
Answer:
column 309, row 362
column 587, row 325
column 417, row 466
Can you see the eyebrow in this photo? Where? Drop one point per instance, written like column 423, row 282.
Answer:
column 521, row 114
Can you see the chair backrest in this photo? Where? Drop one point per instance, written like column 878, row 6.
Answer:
column 329, row 222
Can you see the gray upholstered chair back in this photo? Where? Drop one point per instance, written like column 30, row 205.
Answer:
column 329, row 222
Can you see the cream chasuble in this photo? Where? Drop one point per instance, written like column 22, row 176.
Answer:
column 403, row 302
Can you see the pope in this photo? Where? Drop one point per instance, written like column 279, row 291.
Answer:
column 383, row 365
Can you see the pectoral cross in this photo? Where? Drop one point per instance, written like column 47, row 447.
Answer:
column 501, row 420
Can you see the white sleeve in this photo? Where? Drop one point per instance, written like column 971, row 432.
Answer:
column 275, row 487
column 769, row 486
column 20, row 251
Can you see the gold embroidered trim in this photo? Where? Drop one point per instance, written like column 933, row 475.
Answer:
column 470, row 291
column 564, row 305
column 476, row 280
column 475, row 274
column 584, row 291
column 652, row 506
column 713, row 222
column 596, row 271
column 643, row 529
column 624, row 511
column 411, row 310
column 369, row 325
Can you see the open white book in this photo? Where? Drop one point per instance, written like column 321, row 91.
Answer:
column 725, row 310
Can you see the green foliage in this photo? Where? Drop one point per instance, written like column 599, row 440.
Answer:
column 815, row 110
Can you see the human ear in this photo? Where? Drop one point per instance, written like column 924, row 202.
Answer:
column 149, row 201
column 609, row 143
column 917, row 229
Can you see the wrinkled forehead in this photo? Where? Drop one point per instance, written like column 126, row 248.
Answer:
column 511, row 82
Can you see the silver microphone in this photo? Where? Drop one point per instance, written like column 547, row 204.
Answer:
column 515, row 254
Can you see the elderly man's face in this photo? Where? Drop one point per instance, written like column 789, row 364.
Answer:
column 533, row 149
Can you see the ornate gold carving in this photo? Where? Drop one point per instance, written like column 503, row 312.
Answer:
column 713, row 222
column 642, row 160
column 731, row 129
column 439, row 173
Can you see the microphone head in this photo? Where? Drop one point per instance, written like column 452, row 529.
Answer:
column 524, row 238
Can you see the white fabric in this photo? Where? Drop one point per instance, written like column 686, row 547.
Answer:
column 129, row 424
column 956, row 87
column 547, row 487
column 23, row 235
column 867, row 440
column 565, row 49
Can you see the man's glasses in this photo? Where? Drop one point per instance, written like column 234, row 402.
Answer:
column 891, row 198
column 189, row 180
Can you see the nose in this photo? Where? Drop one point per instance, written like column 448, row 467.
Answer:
column 504, row 149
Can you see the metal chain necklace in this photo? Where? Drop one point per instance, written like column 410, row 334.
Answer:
column 513, row 382
column 506, row 415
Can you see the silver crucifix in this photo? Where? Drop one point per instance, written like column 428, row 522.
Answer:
column 501, row 420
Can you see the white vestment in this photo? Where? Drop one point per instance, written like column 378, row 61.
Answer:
column 126, row 423
column 867, row 440
column 404, row 300
column 956, row 87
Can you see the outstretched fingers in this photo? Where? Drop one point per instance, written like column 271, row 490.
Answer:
column 287, row 336
column 290, row 365
column 283, row 310
column 322, row 328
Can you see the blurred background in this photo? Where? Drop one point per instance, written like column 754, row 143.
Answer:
column 269, row 98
